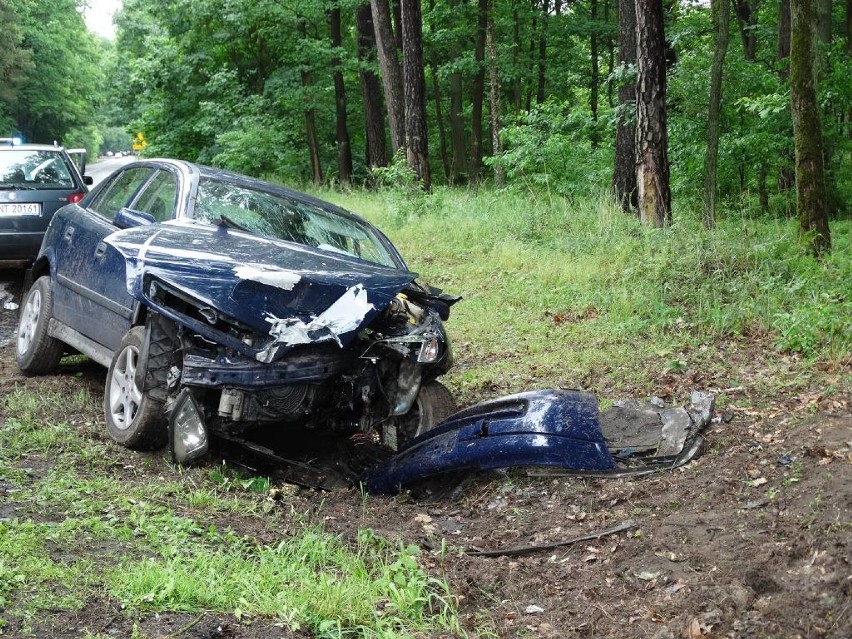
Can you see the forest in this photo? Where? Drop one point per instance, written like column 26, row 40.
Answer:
column 521, row 94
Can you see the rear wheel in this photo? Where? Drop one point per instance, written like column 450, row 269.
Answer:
column 133, row 418
column 434, row 404
column 36, row 352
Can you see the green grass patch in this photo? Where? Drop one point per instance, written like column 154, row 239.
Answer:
column 81, row 528
column 575, row 293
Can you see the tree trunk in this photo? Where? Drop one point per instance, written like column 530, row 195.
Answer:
column 594, row 85
column 396, row 7
column 783, row 52
column 371, row 91
column 747, row 17
column 542, row 51
column 457, row 136
column 310, row 120
column 494, row 101
column 344, row 148
column 652, row 176
column 416, row 139
column 610, row 55
column 624, row 171
column 478, row 93
column 439, row 117
column 811, row 197
column 721, row 20
column 391, row 72
column 516, row 55
column 823, row 21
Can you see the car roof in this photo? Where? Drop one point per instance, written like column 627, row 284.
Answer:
column 29, row 147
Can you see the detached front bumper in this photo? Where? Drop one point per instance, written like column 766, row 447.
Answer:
column 539, row 428
column 551, row 428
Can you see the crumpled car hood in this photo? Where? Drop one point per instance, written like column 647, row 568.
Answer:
column 295, row 293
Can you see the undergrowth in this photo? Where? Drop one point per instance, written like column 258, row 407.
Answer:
column 555, row 289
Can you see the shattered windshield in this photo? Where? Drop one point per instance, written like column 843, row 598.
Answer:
column 27, row 169
column 288, row 219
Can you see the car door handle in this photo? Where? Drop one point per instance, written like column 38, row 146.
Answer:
column 100, row 249
column 69, row 234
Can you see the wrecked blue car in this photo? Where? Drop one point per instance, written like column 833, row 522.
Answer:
column 224, row 304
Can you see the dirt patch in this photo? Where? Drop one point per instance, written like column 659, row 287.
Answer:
column 753, row 539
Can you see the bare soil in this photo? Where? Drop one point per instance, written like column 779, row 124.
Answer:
column 753, row 539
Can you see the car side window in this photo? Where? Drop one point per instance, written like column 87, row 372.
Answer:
column 117, row 194
column 159, row 196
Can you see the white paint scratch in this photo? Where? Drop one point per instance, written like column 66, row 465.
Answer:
column 346, row 314
column 271, row 275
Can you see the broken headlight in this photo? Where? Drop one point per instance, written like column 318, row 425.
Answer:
column 425, row 348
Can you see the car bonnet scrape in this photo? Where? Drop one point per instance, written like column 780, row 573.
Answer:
column 343, row 316
column 294, row 293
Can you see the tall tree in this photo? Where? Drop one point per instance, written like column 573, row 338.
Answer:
column 652, row 176
column 371, row 92
column 624, row 172
column 416, row 138
column 542, row 51
column 457, row 132
column 344, row 147
column 747, row 17
column 494, row 98
column 811, row 195
column 594, row 77
column 721, row 20
column 307, row 77
column 391, row 72
column 478, row 94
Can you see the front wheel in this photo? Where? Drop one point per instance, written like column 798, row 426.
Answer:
column 36, row 352
column 133, row 418
column 434, row 404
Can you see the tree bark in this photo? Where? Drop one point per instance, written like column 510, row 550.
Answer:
column 652, row 176
column 516, row 55
column 310, row 119
column 783, row 52
column 747, row 17
column 416, row 138
column 371, row 91
column 624, row 171
column 494, row 101
column 811, row 195
column 457, row 133
column 344, row 147
column 823, row 21
column 439, row 117
column 391, row 72
column 594, row 85
column 478, row 94
column 721, row 20
column 542, row 51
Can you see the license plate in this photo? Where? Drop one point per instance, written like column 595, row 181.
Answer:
column 20, row 208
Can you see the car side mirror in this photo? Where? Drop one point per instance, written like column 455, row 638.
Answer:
column 87, row 180
column 128, row 218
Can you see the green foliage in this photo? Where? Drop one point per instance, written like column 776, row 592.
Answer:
column 548, row 149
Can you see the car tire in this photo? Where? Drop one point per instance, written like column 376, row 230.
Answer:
column 134, row 419
column 36, row 352
column 434, row 404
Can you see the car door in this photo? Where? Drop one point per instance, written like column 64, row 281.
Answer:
column 91, row 296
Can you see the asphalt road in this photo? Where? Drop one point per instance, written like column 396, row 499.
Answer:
column 105, row 166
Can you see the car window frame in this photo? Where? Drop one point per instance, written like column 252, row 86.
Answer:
column 140, row 192
column 104, row 192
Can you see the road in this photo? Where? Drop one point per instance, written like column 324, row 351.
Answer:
column 100, row 169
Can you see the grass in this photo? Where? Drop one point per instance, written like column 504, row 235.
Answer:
column 83, row 531
column 557, row 293
column 576, row 294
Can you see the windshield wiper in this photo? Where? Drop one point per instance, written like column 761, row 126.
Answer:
column 16, row 187
column 227, row 222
